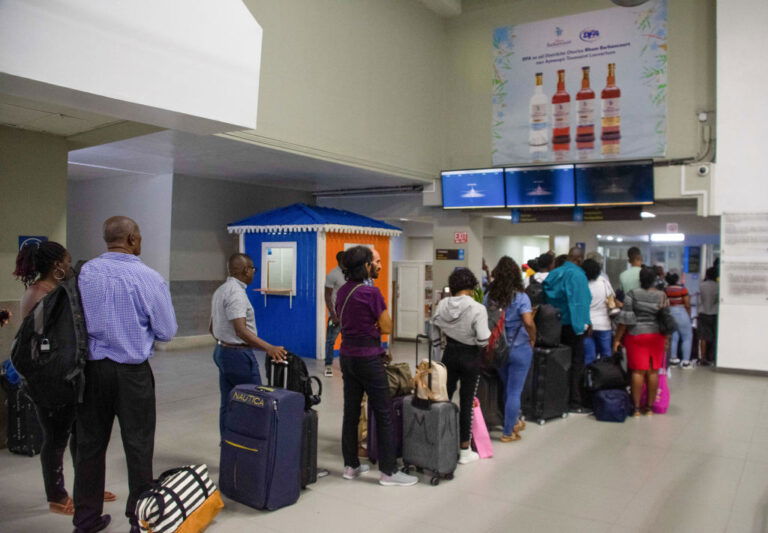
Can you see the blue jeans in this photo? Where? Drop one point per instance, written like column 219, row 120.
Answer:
column 237, row 366
column 330, row 340
column 597, row 344
column 513, row 375
column 684, row 331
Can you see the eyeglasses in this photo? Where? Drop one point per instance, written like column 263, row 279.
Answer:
column 251, row 267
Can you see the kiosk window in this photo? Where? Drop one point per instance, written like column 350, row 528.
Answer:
column 278, row 266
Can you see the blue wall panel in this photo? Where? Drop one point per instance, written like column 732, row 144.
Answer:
column 295, row 328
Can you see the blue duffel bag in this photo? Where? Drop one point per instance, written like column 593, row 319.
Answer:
column 611, row 405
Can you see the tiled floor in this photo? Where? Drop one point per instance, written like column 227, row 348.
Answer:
column 702, row 467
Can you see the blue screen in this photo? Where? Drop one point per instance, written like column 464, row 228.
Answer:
column 466, row 189
column 620, row 184
column 540, row 186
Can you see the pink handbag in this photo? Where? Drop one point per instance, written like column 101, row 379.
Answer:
column 481, row 440
column 661, row 404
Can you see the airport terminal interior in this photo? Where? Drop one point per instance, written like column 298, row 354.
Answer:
column 443, row 134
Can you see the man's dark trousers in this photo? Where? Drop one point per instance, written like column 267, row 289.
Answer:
column 578, row 397
column 128, row 392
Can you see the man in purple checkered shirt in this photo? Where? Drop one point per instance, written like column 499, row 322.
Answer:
column 127, row 307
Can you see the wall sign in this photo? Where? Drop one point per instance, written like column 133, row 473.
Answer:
column 25, row 240
column 461, row 237
column 672, row 227
column 585, row 87
column 449, row 254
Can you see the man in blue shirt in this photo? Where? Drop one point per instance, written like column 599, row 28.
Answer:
column 567, row 288
column 127, row 307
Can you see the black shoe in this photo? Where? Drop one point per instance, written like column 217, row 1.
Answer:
column 100, row 525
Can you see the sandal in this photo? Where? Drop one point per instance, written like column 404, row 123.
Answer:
column 66, row 508
column 647, row 411
column 520, row 426
column 109, row 496
column 510, row 438
column 636, row 413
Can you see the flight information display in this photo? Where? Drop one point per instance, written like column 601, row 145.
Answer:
column 550, row 186
column 472, row 189
column 617, row 184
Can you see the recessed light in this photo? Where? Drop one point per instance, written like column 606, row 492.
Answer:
column 667, row 237
column 647, row 214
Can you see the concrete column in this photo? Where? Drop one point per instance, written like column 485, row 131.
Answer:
column 446, row 225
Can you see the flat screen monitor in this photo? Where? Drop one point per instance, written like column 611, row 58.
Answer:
column 550, row 186
column 471, row 189
column 616, row 184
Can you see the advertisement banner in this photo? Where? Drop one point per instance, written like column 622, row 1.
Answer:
column 586, row 87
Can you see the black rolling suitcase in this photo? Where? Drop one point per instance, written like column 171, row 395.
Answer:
column 25, row 436
column 280, row 375
column 490, row 393
column 547, row 389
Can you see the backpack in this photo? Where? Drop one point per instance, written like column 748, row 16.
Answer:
column 51, row 347
column 535, row 292
column 297, row 380
column 549, row 326
column 497, row 351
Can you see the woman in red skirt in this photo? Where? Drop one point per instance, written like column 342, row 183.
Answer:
column 644, row 343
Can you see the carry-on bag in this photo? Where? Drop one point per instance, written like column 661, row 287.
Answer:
column 481, row 439
column 293, row 375
column 24, row 433
column 183, row 500
column 261, row 447
column 606, row 373
column 397, row 429
column 611, row 405
column 549, row 326
column 547, row 388
column 490, row 393
column 430, row 429
column 661, row 403
column 431, row 382
column 431, row 438
column 284, row 375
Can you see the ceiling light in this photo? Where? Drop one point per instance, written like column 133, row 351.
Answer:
column 609, row 237
column 647, row 214
column 667, row 237
column 502, row 217
column 619, row 239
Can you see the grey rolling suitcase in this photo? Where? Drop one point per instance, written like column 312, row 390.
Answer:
column 430, row 437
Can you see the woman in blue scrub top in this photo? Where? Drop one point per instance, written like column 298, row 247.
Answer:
column 506, row 290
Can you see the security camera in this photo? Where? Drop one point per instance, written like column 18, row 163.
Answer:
column 702, row 170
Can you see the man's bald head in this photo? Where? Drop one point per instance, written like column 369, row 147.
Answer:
column 122, row 234
column 576, row 255
column 240, row 266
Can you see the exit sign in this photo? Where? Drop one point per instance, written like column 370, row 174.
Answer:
column 460, row 237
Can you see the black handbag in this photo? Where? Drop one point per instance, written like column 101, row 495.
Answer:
column 605, row 373
column 667, row 324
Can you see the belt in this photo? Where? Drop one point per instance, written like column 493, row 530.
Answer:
column 361, row 342
column 227, row 345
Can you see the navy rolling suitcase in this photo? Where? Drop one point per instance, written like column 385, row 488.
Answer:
column 261, row 447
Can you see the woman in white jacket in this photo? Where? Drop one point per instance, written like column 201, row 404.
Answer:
column 465, row 325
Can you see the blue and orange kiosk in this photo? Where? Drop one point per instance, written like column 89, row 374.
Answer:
column 293, row 248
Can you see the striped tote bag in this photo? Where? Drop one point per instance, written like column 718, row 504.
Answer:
column 183, row 500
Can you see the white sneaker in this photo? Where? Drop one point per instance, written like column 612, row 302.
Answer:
column 352, row 473
column 398, row 479
column 686, row 365
column 468, row 456
column 329, row 371
column 674, row 361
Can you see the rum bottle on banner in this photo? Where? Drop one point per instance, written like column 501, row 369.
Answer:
column 585, row 111
column 539, row 113
column 561, row 111
column 611, row 116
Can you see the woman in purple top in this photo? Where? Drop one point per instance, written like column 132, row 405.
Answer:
column 363, row 318
column 41, row 267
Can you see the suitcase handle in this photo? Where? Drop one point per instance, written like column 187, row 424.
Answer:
column 429, row 355
column 274, row 368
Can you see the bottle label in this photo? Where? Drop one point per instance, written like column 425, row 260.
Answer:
column 538, row 116
column 611, row 107
column 562, row 113
column 586, row 112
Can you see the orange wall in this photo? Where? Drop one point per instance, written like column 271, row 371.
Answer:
column 334, row 243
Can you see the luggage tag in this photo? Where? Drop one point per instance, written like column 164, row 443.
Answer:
column 45, row 345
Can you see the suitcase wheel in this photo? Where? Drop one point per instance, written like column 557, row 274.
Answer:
column 407, row 469
column 564, row 415
column 542, row 421
column 449, row 476
column 435, row 481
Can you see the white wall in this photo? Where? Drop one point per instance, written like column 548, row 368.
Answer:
column 358, row 82
column 192, row 66
column 740, row 182
column 420, row 249
column 146, row 199
column 494, row 248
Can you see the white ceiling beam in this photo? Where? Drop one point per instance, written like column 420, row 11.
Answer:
column 444, row 8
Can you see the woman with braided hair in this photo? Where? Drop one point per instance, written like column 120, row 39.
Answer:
column 41, row 267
